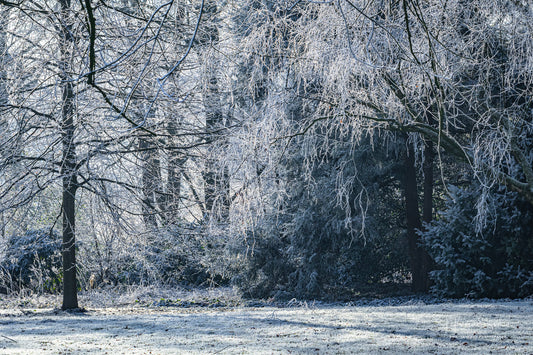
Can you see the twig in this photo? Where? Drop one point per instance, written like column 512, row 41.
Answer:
column 221, row 350
column 13, row 340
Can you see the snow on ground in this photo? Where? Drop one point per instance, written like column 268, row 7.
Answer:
column 407, row 326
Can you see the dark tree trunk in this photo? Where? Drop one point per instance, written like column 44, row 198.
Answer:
column 429, row 155
column 68, row 166
column 70, row 287
column 427, row 210
column 417, row 254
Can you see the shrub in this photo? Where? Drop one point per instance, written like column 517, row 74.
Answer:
column 33, row 261
column 494, row 262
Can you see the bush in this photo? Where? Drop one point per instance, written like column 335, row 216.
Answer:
column 33, row 261
column 182, row 254
column 266, row 267
column 334, row 229
column 494, row 262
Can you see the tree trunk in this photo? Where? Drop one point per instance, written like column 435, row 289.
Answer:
column 427, row 210
column 176, row 160
column 70, row 287
column 68, row 166
column 216, row 178
column 151, row 181
column 417, row 254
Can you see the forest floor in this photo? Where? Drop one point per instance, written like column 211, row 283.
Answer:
column 151, row 321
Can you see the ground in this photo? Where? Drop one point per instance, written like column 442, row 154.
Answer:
column 141, row 324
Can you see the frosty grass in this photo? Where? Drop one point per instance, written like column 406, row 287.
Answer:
column 154, row 321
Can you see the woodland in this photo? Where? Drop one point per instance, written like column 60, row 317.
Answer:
column 291, row 149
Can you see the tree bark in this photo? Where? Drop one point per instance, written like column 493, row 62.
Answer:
column 427, row 209
column 68, row 166
column 429, row 155
column 70, row 287
column 417, row 254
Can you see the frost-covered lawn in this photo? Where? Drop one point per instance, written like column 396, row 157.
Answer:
column 409, row 326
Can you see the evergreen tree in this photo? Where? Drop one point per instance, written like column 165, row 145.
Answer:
column 495, row 261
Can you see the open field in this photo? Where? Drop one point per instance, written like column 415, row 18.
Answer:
column 411, row 326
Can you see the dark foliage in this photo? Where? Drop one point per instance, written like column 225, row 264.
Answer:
column 326, row 245
column 33, row 261
column 494, row 262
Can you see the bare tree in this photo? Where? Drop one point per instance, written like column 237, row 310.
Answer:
column 69, row 159
column 83, row 92
column 216, row 176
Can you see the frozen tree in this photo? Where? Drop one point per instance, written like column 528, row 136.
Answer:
column 85, row 86
column 450, row 78
column 33, row 158
column 455, row 73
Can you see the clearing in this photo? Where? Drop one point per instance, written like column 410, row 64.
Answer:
column 405, row 325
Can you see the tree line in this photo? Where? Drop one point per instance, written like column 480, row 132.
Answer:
column 291, row 148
